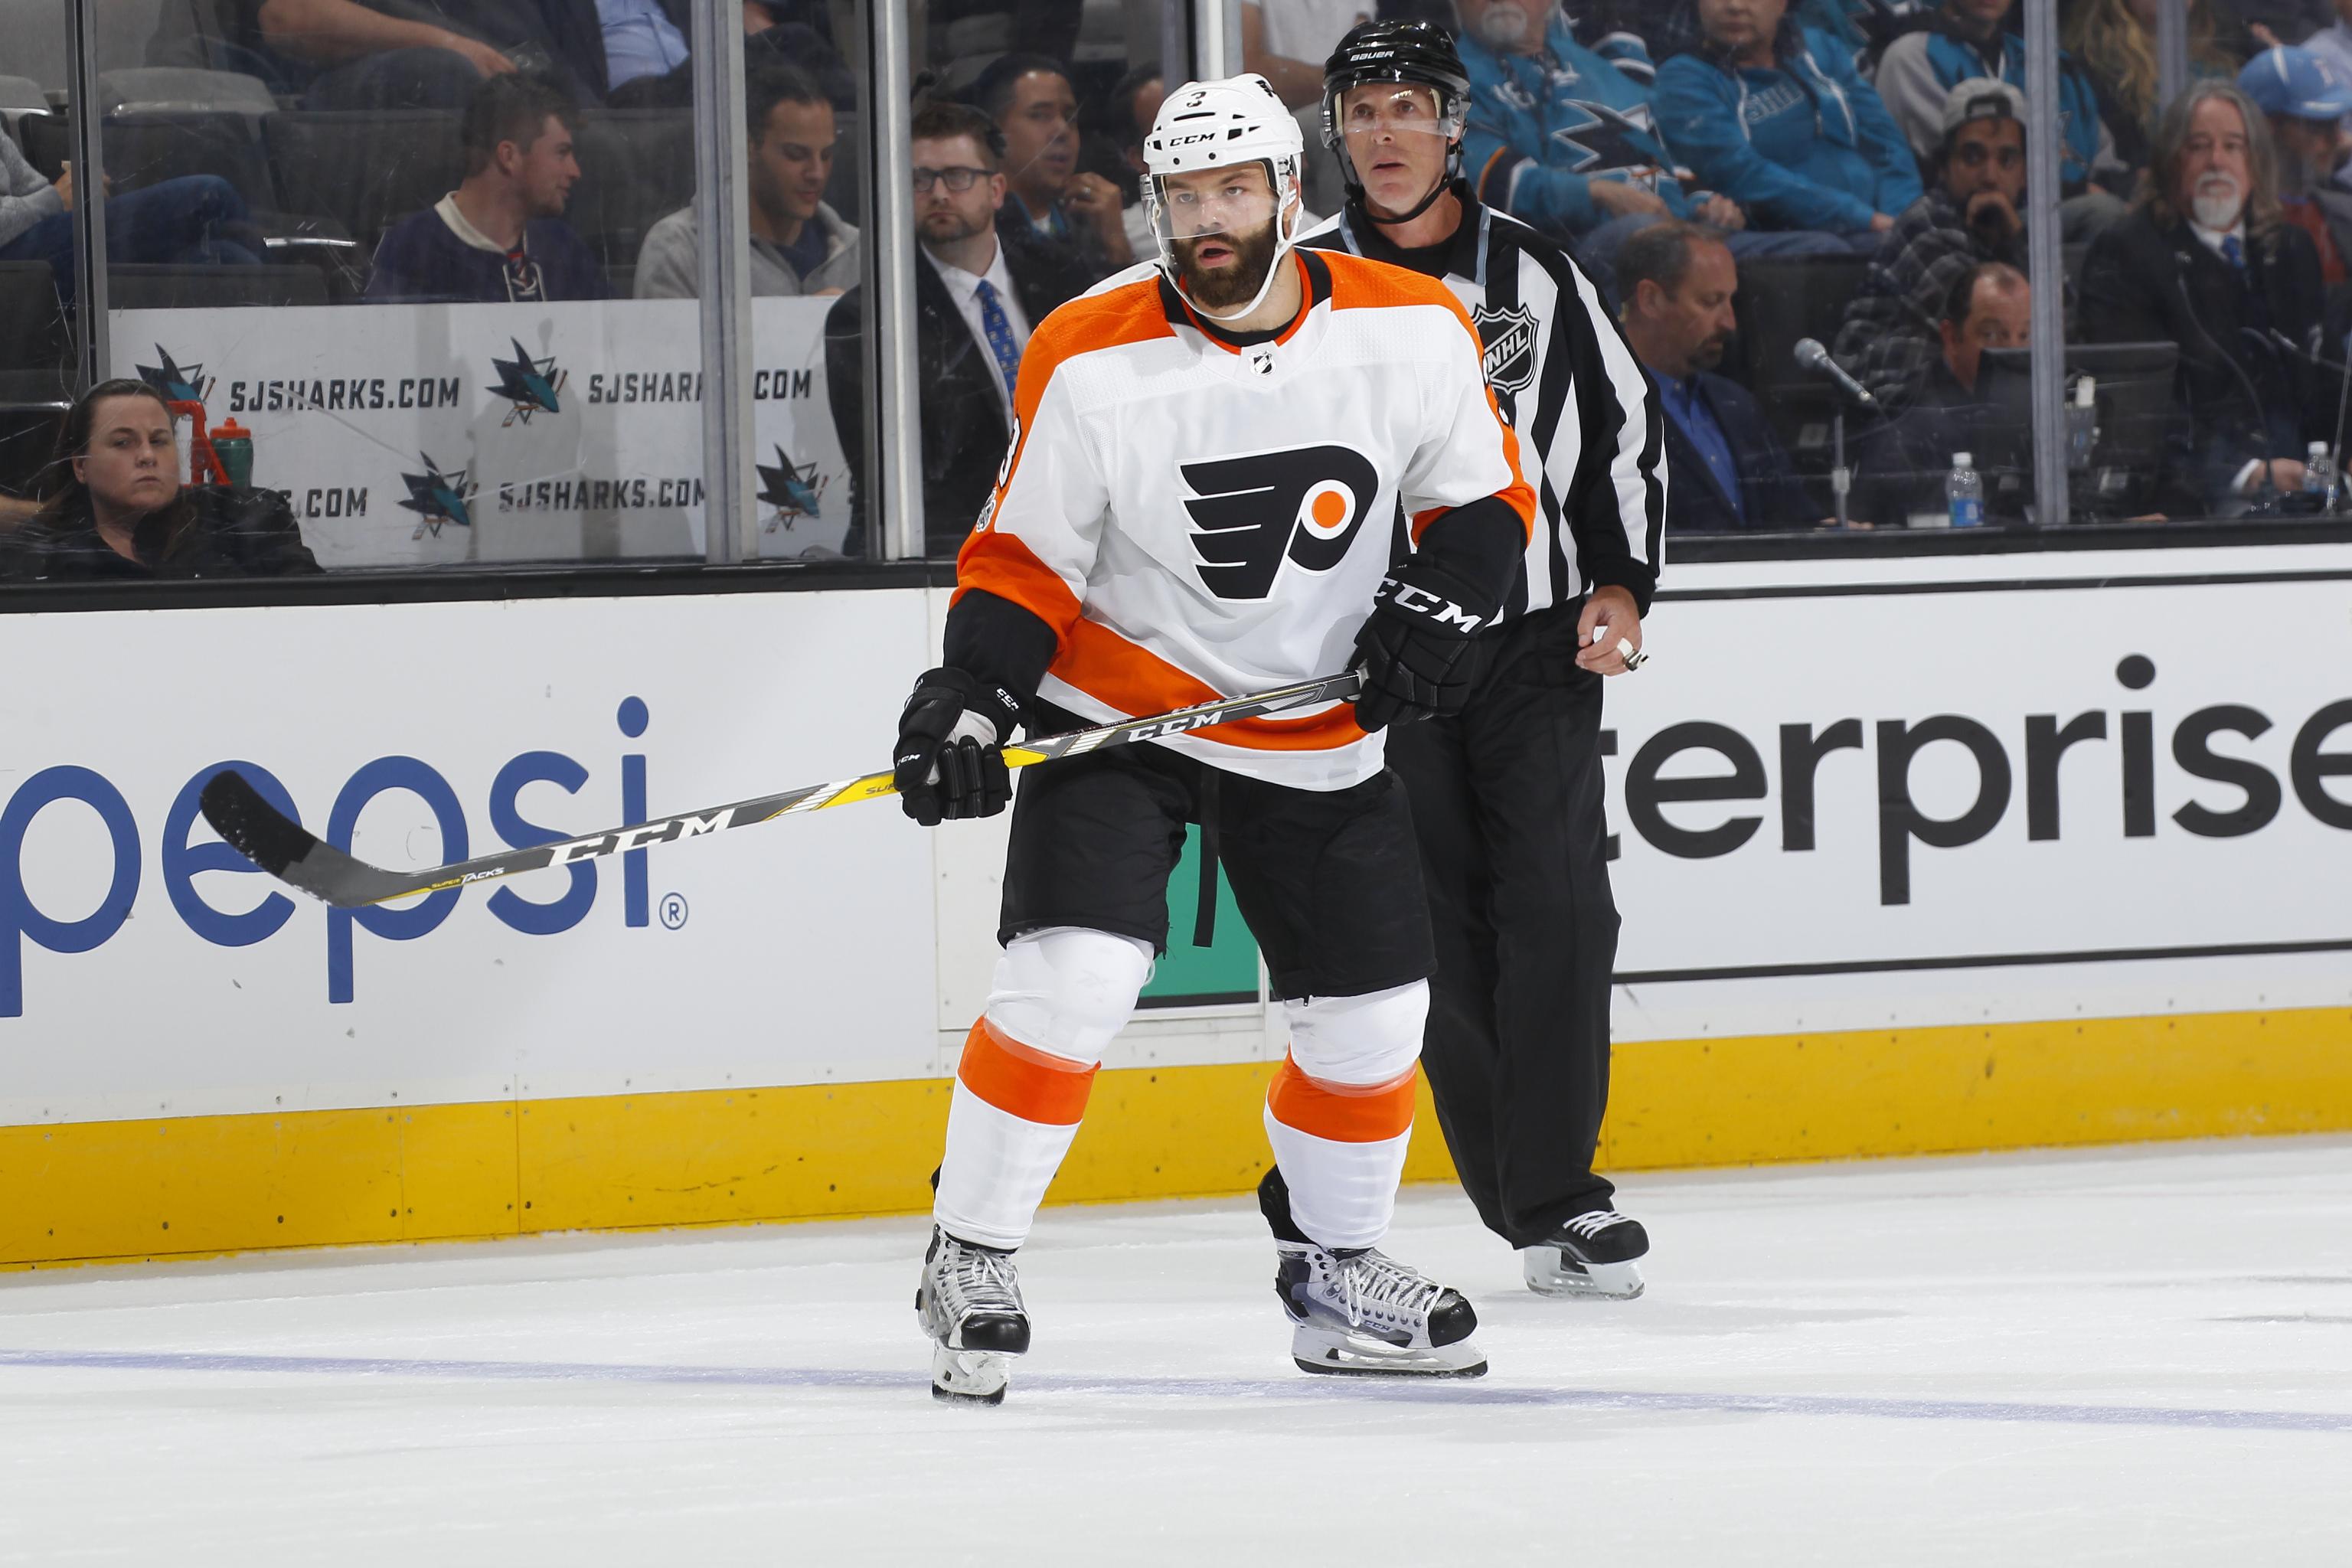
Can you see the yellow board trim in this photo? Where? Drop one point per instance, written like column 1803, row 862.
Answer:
column 86, row 1191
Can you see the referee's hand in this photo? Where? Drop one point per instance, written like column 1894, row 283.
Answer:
column 1611, row 607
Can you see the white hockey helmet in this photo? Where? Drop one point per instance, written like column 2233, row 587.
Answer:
column 1202, row 125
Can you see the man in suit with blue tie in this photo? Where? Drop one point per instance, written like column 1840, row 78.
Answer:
column 981, row 287
column 1726, row 473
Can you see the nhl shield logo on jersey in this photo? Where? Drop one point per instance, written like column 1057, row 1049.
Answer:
column 1510, row 340
column 1304, row 504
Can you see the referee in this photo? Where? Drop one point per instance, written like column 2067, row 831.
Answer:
column 1507, row 798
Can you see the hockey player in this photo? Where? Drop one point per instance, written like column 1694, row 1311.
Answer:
column 1507, row 794
column 1213, row 454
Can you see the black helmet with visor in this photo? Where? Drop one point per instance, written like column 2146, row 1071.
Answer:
column 1409, row 54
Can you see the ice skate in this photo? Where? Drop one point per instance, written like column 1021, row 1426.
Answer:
column 1363, row 1314
column 1593, row 1255
column 970, row 1304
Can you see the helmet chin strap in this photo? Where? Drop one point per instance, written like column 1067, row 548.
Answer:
column 1418, row 208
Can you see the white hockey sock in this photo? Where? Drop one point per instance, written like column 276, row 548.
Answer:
column 1015, row 1112
column 1341, row 1148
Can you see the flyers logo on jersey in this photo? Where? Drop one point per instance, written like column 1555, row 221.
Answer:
column 1252, row 514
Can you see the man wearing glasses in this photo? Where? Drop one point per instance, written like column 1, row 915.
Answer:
column 979, row 290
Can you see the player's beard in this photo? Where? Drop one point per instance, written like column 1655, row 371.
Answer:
column 1231, row 285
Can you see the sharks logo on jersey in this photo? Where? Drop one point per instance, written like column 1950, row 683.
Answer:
column 1606, row 139
column 1252, row 514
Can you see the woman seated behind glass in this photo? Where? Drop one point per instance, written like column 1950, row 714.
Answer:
column 113, row 506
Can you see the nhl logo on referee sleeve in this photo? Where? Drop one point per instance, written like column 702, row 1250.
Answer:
column 1509, row 337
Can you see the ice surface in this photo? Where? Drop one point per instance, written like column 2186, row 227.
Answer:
column 2132, row 1357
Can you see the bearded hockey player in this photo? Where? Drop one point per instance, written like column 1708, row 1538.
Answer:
column 1213, row 460
column 1507, row 794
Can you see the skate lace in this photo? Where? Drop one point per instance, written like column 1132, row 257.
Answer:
column 1589, row 1225
column 983, row 1281
column 1373, row 1284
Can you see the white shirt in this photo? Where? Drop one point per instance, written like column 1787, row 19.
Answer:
column 963, row 287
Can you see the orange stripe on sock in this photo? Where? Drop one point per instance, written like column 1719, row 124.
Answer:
column 1345, row 1113
column 1019, row 1081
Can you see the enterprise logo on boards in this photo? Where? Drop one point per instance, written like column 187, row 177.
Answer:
column 180, row 862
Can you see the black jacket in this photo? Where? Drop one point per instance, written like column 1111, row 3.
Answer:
column 228, row 533
column 964, row 436
column 1773, row 497
column 2245, row 396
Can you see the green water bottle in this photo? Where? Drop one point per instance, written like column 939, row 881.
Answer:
column 233, row 445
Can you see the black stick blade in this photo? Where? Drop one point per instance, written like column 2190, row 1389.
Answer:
column 286, row 850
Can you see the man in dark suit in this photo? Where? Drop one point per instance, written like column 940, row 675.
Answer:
column 980, row 290
column 1725, row 471
column 2205, row 261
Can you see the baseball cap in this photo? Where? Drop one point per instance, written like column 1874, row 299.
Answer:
column 2296, row 83
column 1981, row 98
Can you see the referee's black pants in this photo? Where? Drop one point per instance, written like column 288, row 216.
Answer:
column 1507, row 804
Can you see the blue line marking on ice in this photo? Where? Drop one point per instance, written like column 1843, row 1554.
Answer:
column 1303, row 1387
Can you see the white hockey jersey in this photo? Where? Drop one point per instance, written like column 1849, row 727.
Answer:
column 1196, row 521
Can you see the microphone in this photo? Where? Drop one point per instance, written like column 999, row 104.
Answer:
column 1813, row 357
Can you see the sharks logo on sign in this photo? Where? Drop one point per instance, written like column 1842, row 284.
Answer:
column 1303, row 505
column 793, row 488
column 532, row 386
column 438, row 498
column 177, row 383
column 1509, row 337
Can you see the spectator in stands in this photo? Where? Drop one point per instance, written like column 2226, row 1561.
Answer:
column 419, row 54
column 1287, row 41
column 2115, row 42
column 1901, row 464
column 1030, row 99
column 1774, row 117
column 501, row 235
column 1964, row 41
column 2333, row 42
column 798, row 244
column 113, row 506
column 1972, row 214
column 1724, row 470
column 1134, row 105
column 2272, row 22
column 981, row 287
column 2206, row 261
column 1561, row 136
column 2304, row 100
column 196, row 219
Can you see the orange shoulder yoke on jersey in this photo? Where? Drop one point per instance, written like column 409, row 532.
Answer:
column 1359, row 283
column 998, row 562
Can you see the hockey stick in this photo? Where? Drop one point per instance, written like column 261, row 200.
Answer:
column 289, row 851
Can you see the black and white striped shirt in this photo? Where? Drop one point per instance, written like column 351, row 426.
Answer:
column 1565, row 381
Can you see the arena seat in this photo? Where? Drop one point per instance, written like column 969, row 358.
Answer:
column 176, row 288
column 365, row 171
column 36, row 343
column 177, row 89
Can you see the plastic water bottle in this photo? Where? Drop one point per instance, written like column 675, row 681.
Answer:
column 2319, row 473
column 1964, row 491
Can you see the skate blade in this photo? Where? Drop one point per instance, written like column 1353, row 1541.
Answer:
column 1330, row 1354
column 970, row 1377
column 1549, row 1274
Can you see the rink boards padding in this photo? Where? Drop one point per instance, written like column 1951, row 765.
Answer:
column 1913, row 854
column 192, row 1186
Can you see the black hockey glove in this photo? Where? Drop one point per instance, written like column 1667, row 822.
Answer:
column 1420, row 656
column 946, row 766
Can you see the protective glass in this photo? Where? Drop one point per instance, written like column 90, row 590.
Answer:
column 1213, row 202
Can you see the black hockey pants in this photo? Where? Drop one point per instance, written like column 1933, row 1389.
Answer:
column 1507, row 804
